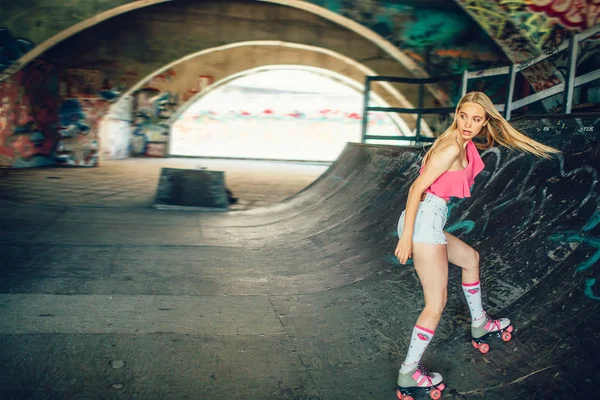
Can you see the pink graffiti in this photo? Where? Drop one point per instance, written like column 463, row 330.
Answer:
column 578, row 14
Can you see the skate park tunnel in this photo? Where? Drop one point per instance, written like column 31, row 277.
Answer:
column 302, row 299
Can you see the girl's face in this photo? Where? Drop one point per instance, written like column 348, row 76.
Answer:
column 470, row 120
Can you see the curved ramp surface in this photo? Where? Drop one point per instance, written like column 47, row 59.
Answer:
column 304, row 300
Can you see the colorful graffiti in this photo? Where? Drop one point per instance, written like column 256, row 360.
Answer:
column 28, row 135
column 86, row 96
column 11, row 49
column 442, row 41
column 152, row 109
column 527, row 28
column 577, row 14
column 47, row 118
column 79, row 124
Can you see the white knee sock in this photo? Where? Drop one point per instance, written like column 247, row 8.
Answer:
column 473, row 294
column 419, row 340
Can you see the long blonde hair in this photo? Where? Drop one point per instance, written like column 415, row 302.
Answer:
column 497, row 129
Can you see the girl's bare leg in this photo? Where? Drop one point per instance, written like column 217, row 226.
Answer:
column 431, row 264
column 463, row 256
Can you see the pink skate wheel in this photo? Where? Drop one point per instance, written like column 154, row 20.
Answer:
column 435, row 394
column 506, row 336
column 509, row 329
column 484, row 348
column 474, row 343
column 401, row 397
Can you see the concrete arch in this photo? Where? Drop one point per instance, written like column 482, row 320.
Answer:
column 353, row 26
column 175, row 133
column 358, row 87
column 395, row 96
column 263, row 53
column 80, row 26
column 275, row 53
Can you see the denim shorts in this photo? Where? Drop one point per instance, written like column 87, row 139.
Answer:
column 430, row 221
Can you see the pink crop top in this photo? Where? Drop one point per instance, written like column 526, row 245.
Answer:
column 458, row 183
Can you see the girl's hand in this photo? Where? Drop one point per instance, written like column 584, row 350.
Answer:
column 403, row 249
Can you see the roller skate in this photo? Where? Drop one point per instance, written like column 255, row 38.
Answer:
column 490, row 327
column 419, row 379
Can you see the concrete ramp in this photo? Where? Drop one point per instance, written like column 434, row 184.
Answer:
column 534, row 223
column 304, row 300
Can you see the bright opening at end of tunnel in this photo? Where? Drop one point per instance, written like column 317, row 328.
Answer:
column 279, row 114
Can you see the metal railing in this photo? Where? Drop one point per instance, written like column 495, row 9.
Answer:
column 567, row 87
column 419, row 110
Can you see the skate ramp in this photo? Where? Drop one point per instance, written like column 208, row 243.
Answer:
column 534, row 223
column 304, row 300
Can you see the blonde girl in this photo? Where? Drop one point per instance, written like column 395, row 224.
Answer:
column 448, row 170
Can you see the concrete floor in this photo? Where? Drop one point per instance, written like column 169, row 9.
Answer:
column 100, row 295
column 131, row 183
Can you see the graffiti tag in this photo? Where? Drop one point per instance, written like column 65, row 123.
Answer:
column 579, row 14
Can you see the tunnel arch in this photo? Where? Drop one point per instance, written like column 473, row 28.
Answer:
column 344, row 80
column 179, row 126
column 400, row 99
column 78, row 27
column 354, row 26
column 286, row 54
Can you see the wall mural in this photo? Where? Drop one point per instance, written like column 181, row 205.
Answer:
column 441, row 40
column 28, row 117
column 528, row 28
column 152, row 109
column 574, row 14
column 49, row 118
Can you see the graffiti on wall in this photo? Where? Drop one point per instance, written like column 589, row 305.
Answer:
column 576, row 14
column 28, row 134
column 152, row 109
column 162, row 78
column 49, row 118
column 86, row 95
column 79, row 123
column 442, row 41
column 79, row 83
column 528, row 28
